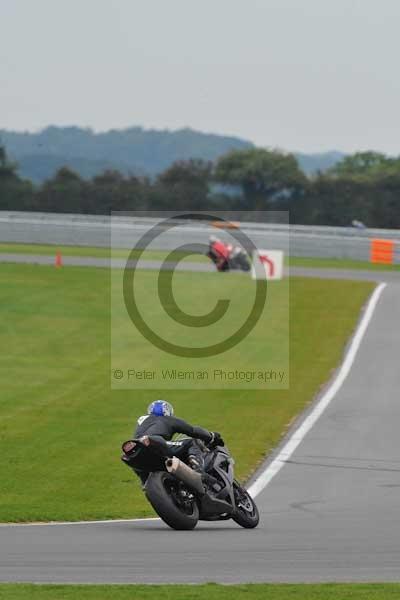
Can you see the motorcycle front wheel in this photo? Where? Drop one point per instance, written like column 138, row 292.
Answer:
column 244, row 263
column 246, row 513
column 176, row 506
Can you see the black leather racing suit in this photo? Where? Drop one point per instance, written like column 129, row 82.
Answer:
column 161, row 430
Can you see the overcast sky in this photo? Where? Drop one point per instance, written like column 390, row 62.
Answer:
column 307, row 75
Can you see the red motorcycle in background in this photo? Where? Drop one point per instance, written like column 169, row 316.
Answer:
column 227, row 257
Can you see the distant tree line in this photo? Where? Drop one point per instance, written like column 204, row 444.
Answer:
column 364, row 187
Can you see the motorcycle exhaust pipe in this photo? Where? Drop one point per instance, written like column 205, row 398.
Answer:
column 181, row 471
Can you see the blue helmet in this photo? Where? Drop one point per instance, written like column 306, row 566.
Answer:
column 160, row 408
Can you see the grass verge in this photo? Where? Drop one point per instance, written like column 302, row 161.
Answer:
column 50, row 250
column 60, row 424
column 378, row 591
column 340, row 263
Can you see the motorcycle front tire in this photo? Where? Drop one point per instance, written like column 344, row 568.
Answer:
column 246, row 515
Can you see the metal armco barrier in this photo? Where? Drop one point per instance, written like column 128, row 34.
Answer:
column 95, row 230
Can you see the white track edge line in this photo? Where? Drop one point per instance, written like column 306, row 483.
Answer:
column 298, row 435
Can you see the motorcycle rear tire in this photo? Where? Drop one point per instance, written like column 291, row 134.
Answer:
column 164, row 505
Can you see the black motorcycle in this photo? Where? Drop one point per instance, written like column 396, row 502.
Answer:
column 182, row 497
column 238, row 260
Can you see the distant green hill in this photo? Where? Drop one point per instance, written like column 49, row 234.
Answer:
column 134, row 150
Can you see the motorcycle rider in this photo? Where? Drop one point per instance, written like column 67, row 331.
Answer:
column 157, row 429
column 219, row 253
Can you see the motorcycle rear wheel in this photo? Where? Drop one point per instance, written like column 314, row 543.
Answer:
column 246, row 514
column 162, row 493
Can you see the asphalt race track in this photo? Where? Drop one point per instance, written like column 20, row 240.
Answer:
column 88, row 261
column 330, row 514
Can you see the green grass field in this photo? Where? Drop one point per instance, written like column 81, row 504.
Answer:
column 61, row 426
column 340, row 263
column 265, row 348
column 379, row 591
column 48, row 250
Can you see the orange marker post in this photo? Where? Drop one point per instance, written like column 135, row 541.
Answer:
column 382, row 251
column 58, row 260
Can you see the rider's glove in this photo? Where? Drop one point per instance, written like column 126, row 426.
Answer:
column 216, row 439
